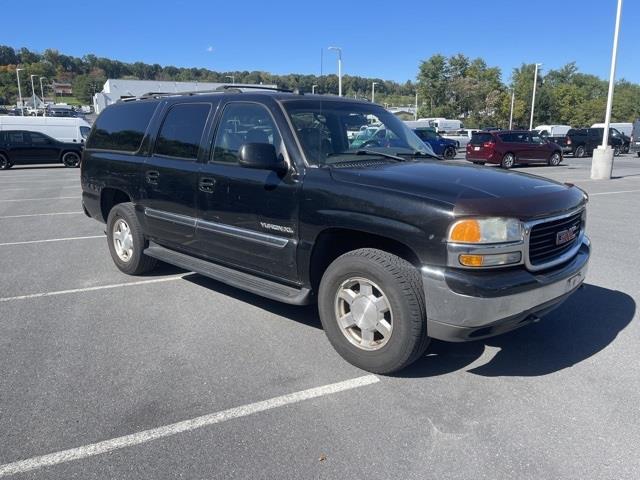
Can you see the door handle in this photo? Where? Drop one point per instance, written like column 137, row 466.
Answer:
column 152, row 176
column 207, row 185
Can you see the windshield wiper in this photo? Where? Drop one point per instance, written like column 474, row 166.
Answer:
column 369, row 153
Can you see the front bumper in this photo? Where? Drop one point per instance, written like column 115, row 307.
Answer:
column 491, row 304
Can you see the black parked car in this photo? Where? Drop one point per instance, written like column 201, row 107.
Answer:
column 264, row 191
column 582, row 141
column 18, row 147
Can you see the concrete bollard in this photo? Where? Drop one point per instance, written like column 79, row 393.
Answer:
column 602, row 164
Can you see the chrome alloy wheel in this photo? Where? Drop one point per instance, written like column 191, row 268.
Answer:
column 123, row 240
column 363, row 313
column 555, row 160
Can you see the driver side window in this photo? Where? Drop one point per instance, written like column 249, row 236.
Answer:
column 242, row 123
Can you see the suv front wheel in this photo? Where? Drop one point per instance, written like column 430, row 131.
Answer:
column 126, row 241
column 372, row 310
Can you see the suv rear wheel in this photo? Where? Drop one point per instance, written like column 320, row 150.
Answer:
column 508, row 161
column 449, row 153
column 372, row 309
column 5, row 164
column 126, row 241
column 579, row 151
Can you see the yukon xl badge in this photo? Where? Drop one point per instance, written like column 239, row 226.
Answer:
column 566, row 236
column 277, row 228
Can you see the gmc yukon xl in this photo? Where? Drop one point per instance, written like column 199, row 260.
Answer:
column 263, row 190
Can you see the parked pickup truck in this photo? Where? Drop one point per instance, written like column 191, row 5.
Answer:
column 261, row 190
column 583, row 141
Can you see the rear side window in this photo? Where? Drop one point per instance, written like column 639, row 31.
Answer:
column 480, row 138
column 17, row 138
column 122, row 127
column 514, row 137
column 181, row 131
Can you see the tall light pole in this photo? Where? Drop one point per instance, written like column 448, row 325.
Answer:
column 513, row 98
column 33, row 92
column 602, row 163
column 533, row 99
column 233, row 79
column 339, row 50
column 373, row 91
column 415, row 113
column 313, row 89
column 42, row 95
column 20, row 90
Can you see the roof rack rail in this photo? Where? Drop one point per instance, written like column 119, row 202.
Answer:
column 220, row 89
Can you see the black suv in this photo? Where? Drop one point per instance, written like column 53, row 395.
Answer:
column 19, row 147
column 582, row 141
column 263, row 190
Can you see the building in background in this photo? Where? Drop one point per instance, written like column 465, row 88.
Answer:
column 115, row 89
column 63, row 89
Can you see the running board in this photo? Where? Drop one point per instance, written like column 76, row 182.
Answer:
column 235, row 278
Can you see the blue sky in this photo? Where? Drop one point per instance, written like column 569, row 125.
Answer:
column 385, row 39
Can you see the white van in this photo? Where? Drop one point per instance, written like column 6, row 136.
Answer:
column 622, row 127
column 442, row 124
column 64, row 129
column 553, row 130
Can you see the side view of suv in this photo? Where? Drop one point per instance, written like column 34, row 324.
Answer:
column 583, row 141
column 20, row 147
column 508, row 148
column 264, row 190
column 445, row 147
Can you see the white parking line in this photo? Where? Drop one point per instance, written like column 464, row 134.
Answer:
column 40, row 214
column 61, row 180
column 93, row 289
column 38, row 188
column 613, row 193
column 27, row 242
column 32, row 199
column 180, row 427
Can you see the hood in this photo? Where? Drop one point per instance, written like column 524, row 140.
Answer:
column 469, row 189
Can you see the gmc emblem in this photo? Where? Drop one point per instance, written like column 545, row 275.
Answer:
column 567, row 235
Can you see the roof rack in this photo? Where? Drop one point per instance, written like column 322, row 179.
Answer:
column 220, row 89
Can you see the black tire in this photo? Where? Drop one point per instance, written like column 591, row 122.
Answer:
column 625, row 148
column 478, row 163
column 71, row 159
column 555, row 159
column 616, row 151
column 579, row 152
column 508, row 161
column 5, row 164
column 449, row 153
column 400, row 283
column 137, row 262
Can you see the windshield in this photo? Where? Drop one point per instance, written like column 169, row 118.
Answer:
column 332, row 132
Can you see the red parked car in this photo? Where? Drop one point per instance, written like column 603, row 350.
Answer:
column 507, row 148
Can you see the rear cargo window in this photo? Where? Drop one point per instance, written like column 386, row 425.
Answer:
column 480, row 138
column 121, row 127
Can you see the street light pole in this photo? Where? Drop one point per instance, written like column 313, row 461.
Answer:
column 20, row 90
column 42, row 94
column 313, row 89
column 373, row 92
column 415, row 113
column 339, row 50
column 533, row 99
column 33, row 93
column 513, row 97
column 602, row 162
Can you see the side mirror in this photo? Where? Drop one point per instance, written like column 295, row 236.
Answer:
column 261, row 156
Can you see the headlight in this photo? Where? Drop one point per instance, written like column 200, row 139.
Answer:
column 486, row 230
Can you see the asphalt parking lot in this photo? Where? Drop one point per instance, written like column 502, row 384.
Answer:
column 172, row 375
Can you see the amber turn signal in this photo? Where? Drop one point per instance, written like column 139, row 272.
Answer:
column 471, row 260
column 466, row 231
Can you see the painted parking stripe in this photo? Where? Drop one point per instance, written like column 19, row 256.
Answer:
column 145, row 436
column 37, row 188
column 28, row 242
column 40, row 214
column 613, row 193
column 33, row 199
column 93, row 289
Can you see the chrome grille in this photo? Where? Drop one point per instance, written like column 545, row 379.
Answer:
column 544, row 238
